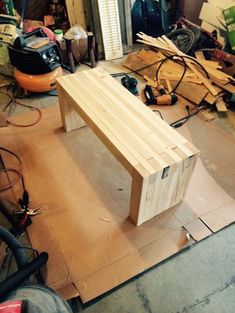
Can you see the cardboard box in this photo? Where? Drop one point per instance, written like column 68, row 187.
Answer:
column 92, row 245
column 229, row 16
column 231, row 35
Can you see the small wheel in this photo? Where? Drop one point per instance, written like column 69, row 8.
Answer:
column 196, row 32
column 184, row 39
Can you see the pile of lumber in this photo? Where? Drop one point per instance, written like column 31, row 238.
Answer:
column 197, row 85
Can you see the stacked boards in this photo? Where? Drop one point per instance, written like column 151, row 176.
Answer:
column 203, row 79
column 159, row 160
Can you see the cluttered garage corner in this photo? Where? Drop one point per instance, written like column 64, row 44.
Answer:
column 117, row 142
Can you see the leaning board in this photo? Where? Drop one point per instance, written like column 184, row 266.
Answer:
column 159, row 160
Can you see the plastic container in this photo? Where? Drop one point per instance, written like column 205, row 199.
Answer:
column 58, row 34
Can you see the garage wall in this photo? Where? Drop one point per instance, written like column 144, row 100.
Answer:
column 76, row 11
column 191, row 10
column 35, row 9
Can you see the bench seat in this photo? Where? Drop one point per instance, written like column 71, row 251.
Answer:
column 158, row 158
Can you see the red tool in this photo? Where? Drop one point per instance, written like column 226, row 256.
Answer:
column 226, row 60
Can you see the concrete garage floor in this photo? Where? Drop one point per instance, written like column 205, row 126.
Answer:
column 200, row 279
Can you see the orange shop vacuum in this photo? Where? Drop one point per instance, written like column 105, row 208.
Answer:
column 37, row 61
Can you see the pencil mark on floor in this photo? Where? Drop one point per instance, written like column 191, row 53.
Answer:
column 143, row 298
column 206, row 300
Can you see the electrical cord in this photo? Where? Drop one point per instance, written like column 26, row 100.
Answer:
column 15, row 102
column 162, row 61
column 174, row 58
column 159, row 113
column 180, row 122
column 30, row 124
column 183, row 74
column 199, row 64
column 13, row 182
column 12, row 170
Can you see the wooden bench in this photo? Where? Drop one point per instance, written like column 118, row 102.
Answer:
column 159, row 159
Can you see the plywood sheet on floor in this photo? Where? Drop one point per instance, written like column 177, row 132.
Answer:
column 84, row 194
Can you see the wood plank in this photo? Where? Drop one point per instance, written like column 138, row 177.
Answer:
column 76, row 13
column 139, row 191
column 102, row 131
column 139, row 139
column 169, row 87
column 210, row 98
column 192, row 67
column 177, row 78
column 88, row 95
column 228, row 87
column 171, row 137
column 199, row 55
column 203, row 79
column 70, row 119
column 192, row 92
column 210, row 14
column 220, row 105
column 131, row 120
column 222, row 4
column 216, row 76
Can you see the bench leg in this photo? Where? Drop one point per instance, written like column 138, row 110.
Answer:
column 141, row 196
column 145, row 195
column 70, row 118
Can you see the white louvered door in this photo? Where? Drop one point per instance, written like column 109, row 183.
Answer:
column 110, row 27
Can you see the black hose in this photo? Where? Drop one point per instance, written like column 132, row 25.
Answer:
column 20, row 276
column 15, row 247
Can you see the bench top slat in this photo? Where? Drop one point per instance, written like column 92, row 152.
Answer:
column 105, row 130
column 123, row 118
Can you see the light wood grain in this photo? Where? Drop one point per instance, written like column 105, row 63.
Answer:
column 220, row 105
column 143, row 143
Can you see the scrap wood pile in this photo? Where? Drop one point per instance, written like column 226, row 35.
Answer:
column 199, row 79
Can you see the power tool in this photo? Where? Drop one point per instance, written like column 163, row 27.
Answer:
column 225, row 59
column 130, row 83
column 163, row 99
